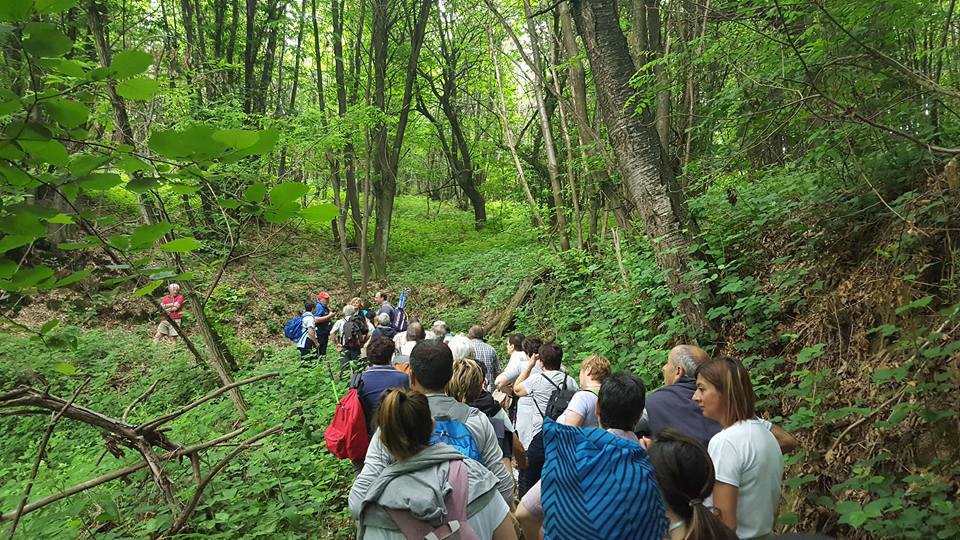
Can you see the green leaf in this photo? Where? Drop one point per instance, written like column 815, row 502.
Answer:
column 84, row 164
column 143, row 184
column 71, row 68
column 67, row 113
column 131, row 165
column 237, row 139
column 145, row 235
column 74, row 277
column 148, row 288
column 51, row 152
column 279, row 213
column 46, row 40
column 918, row 303
column 9, row 102
column 13, row 241
column 184, row 189
column 31, row 277
column 15, row 10
column 265, row 144
column 7, row 268
column 285, row 192
column 100, row 181
column 884, row 330
column 48, row 326
column 810, row 353
column 139, row 89
column 62, row 219
column 16, row 177
column 64, row 368
column 319, row 213
column 255, row 192
column 194, row 142
column 54, row 6
column 130, row 62
column 229, row 204
column 181, row 245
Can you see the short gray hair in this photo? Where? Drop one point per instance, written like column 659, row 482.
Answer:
column 173, row 286
column 461, row 347
column 383, row 318
column 349, row 310
column 686, row 359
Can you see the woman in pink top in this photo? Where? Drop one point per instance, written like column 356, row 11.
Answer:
column 172, row 305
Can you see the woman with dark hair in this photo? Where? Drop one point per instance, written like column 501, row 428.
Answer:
column 746, row 456
column 685, row 475
column 430, row 488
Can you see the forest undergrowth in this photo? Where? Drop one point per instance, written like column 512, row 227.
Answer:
column 843, row 303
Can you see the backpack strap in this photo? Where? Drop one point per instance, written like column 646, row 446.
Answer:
column 455, row 501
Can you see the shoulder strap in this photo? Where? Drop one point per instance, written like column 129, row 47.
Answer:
column 545, row 376
column 459, row 412
column 456, row 503
column 357, row 382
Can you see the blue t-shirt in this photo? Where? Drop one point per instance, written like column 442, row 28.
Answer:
column 376, row 381
column 323, row 311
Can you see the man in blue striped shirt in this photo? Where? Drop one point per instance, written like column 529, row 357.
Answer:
column 485, row 354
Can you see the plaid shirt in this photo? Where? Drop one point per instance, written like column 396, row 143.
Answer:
column 487, row 355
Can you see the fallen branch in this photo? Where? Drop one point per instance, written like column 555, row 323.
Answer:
column 142, row 397
column 153, row 424
column 192, row 505
column 43, row 449
column 119, row 473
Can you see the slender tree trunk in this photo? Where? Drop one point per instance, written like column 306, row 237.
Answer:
column 232, row 42
column 249, row 58
column 508, row 135
column 386, row 159
column 340, row 222
column 192, row 55
column 353, row 197
column 96, row 19
column 639, row 154
column 276, row 13
column 553, row 166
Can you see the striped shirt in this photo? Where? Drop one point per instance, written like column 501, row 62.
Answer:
column 487, row 356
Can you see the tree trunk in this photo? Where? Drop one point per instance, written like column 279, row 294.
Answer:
column 249, row 58
column 276, row 13
column 96, row 19
column 387, row 157
column 638, row 151
column 553, row 165
column 340, row 222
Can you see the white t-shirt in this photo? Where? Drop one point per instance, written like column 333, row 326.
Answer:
column 483, row 522
column 518, row 361
column 583, row 403
column 308, row 322
column 746, row 455
column 529, row 421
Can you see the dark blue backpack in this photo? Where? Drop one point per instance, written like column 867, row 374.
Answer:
column 455, row 433
column 294, row 328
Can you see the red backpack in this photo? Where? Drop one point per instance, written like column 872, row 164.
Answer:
column 346, row 436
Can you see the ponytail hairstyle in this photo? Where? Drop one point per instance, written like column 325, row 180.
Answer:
column 405, row 422
column 466, row 384
column 684, row 472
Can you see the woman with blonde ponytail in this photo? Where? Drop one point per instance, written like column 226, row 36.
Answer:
column 431, row 488
column 685, row 475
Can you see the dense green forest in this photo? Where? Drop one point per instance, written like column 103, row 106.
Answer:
column 773, row 180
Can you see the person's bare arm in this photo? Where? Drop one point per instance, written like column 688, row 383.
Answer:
column 725, row 501
column 505, row 530
column 531, row 526
column 571, row 418
column 788, row 443
column 518, row 387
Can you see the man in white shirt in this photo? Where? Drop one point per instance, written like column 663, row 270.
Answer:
column 308, row 344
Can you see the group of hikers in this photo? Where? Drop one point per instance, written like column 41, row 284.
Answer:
column 461, row 447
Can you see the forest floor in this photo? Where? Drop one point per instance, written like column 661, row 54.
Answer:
column 828, row 296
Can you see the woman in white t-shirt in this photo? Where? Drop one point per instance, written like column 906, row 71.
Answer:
column 582, row 409
column 746, row 456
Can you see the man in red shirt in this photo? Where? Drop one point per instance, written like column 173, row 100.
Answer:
column 172, row 304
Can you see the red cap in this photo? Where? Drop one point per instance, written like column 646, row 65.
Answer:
column 324, row 295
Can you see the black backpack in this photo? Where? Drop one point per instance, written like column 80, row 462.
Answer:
column 353, row 331
column 559, row 399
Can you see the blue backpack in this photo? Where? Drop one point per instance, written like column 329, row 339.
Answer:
column 453, row 431
column 294, row 328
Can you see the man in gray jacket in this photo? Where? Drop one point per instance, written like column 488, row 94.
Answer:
column 431, row 366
